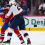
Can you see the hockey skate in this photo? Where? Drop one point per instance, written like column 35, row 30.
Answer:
column 28, row 42
column 23, row 43
column 7, row 42
column 1, row 42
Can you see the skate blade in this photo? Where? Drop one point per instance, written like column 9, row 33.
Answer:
column 23, row 44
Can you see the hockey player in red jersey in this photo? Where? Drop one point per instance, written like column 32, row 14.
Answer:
column 4, row 28
column 18, row 21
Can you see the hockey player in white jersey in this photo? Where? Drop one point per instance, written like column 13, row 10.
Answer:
column 18, row 20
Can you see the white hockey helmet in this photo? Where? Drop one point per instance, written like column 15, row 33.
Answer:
column 12, row 2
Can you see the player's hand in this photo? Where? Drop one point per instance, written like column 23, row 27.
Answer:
column 3, row 8
column 6, row 16
column 24, row 11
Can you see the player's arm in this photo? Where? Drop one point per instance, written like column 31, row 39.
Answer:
column 5, row 9
column 2, row 15
column 9, row 12
column 7, row 15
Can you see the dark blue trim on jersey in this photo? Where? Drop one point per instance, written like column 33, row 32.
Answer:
column 1, row 35
column 19, row 35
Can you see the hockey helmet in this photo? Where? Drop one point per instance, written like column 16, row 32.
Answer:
column 12, row 2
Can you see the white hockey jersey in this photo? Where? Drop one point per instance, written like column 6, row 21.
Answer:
column 15, row 10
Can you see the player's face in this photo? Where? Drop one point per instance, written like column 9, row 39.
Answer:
column 42, row 2
column 2, row 13
column 23, row 5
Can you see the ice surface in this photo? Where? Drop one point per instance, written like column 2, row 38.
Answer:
column 36, row 37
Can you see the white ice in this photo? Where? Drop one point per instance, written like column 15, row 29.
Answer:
column 36, row 37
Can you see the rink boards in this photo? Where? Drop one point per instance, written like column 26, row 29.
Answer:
column 32, row 23
column 32, row 29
